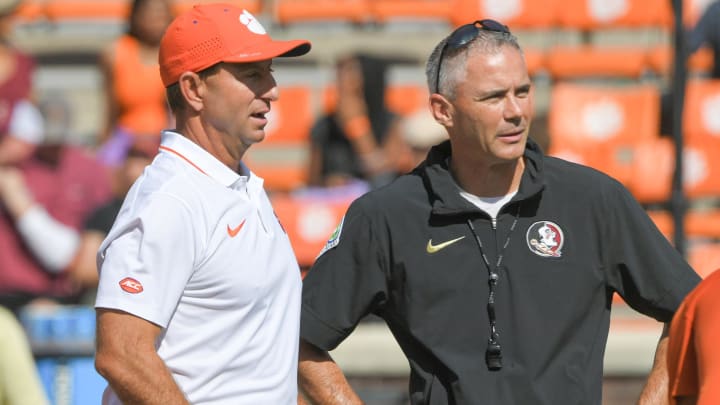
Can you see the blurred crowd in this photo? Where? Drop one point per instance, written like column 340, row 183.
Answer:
column 58, row 198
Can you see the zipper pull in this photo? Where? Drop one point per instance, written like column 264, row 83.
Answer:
column 494, row 223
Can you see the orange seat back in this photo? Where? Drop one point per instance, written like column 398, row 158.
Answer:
column 56, row 10
column 297, row 11
column 520, row 14
column 701, row 117
column 309, row 223
column 291, row 116
column 387, row 10
column 571, row 62
column 585, row 116
column 592, row 14
column 252, row 6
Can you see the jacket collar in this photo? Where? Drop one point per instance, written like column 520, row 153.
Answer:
column 444, row 192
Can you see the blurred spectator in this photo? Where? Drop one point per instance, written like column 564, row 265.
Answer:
column 43, row 203
column 360, row 137
column 707, row 32
column 135, row 95
column 19, row 380
column 21, row 125
column 421, row 132
column 83, row 267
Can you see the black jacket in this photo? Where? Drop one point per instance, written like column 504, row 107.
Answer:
column 553, row 296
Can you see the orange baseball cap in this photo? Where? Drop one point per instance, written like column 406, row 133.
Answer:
column 212, row 33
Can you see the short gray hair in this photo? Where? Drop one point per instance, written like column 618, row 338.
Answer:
column 453, row 60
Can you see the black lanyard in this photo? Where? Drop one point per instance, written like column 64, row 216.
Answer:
column 493, row 354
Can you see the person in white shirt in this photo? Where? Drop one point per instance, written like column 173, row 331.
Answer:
column 199, row 292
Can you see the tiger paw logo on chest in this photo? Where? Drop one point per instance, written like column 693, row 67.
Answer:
column 545, row 239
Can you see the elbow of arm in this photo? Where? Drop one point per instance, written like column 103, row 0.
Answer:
column 109, row 366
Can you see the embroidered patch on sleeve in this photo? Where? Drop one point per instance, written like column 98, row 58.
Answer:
column 334, row 238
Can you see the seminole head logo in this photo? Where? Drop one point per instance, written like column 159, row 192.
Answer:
column 545, row 238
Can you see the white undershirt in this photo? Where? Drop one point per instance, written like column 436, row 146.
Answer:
column 491, row 205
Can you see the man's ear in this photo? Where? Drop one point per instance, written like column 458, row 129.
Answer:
column 441, row 109
column 192, row 89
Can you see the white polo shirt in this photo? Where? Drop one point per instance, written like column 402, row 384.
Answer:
column 197, row 249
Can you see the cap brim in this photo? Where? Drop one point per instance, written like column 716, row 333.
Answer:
column 274, row 49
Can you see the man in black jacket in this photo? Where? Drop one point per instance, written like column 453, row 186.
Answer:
column 493, row 265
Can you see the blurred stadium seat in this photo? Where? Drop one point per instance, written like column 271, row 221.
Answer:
column 584, row 116
column 701, row 117
column 704, row 257
column 300, row 11
column 86, row 10
column 566, row 62
column 309, row 222
column 594, row 15
column 660, row 60
column 625, row 58
column 406, row 98
column 653, row 164
column 253, row 6
column 520, row 14
column 291, row 115
column 281, row 158
column 384, row 11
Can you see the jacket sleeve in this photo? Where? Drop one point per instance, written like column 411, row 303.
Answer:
column 346, row 283
column 641, row 265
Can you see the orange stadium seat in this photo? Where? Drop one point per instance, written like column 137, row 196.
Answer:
column 291, row 116
column 704, row 258
column 535, row 60
column 701, row 168
column 701, row 119
column 283, row 166
column 628, row 60
column 698, row 223
column 309, row 223
column 62, row 10
column 281, row 158
column 703, row 223
column 294, row 11
column 400, row 98
column 406, row 98
column 654, row 164
column 664, row 221
column 521, row 14
column 660, row 60
column 30, row 10
column 279, row 175
column 615, row 161
column 387, row 10
column 572, row 62
column 252, row 6
column 587, row 15
column 586, row 116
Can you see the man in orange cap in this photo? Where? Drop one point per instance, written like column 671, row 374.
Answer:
column 199, row 292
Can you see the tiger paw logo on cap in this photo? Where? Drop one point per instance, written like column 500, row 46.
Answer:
column 252, row 24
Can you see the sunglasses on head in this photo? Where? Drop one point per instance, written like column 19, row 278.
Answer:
column 463, row 35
